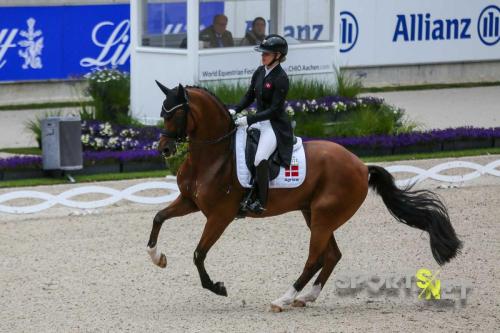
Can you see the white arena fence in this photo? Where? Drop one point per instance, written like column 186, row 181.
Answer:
column 170, row 185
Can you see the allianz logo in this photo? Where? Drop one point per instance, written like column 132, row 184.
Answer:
column 424, row 27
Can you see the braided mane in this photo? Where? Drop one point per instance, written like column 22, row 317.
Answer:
column 211, row 94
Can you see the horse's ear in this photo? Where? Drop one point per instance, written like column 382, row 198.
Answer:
column 162, row 87
column 181, row 93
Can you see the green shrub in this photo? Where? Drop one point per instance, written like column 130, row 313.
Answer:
column 110, row 93
column 361, row 120
column 347, row 86
column 311, row 125
column 231, row 94
column 175, row 161
column 309, row 89
column 227, row 93
column 371, row 119
column 35, row 126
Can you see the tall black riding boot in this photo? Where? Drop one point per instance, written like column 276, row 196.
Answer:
column 262, row 182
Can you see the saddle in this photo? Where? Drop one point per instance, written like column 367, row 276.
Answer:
column 288, row 176
column 253, row 136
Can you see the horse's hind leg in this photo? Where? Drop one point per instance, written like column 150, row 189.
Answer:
column 320, row 234
column 331, row 256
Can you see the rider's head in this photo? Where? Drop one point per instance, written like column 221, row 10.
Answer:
column 274, row 48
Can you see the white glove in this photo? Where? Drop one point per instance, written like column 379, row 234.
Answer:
column 241, row 122
column 232, row 112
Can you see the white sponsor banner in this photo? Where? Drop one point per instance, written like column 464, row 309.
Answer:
column 241, row 63
column 393, row 32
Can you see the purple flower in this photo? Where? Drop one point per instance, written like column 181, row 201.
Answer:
column 416, row 138
column 89, row 157
column 20, row 162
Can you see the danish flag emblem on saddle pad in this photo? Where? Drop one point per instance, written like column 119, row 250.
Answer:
column 293, row 170
column 288, row 178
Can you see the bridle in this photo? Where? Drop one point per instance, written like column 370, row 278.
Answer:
column 180, row 134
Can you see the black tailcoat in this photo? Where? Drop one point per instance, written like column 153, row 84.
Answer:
column 270, row 92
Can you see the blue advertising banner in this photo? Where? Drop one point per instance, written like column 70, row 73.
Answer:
column 60, row 42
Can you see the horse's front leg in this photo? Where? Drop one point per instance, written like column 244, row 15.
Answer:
column 181, row 206
column 214, row 228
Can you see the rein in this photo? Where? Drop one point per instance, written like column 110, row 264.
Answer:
column 213, row 141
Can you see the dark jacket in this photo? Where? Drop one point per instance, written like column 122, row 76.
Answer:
column 270, row 93
column 209, row 35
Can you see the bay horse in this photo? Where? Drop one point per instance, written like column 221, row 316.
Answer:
column 335, row 186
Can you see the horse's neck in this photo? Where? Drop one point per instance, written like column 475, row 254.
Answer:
column 210, row 120
column 207, row 156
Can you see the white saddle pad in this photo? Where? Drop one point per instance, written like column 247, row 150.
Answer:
column 287, row 178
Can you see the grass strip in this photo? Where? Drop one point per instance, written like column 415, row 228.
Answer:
column 84, row 178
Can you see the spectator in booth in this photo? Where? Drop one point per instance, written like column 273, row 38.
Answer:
column 257, row 34
column 215, row 35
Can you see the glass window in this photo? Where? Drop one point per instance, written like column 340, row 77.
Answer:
column 164, row 23
column 307, row 21
column 233, row 22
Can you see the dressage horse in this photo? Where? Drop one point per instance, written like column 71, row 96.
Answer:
column 335, row 186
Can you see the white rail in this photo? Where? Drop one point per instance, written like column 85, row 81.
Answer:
column 170, row 185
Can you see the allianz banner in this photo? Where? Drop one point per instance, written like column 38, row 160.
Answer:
column 395, row 32
column 60, row 42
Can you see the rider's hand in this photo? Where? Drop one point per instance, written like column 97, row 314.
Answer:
column 232, row 112
column 241, row 122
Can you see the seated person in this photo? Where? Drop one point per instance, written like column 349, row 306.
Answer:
column 215, row 35
column 257, row 34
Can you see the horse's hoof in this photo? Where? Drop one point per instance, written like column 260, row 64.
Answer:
column 219, row 289
column 276, row 308
column 298, row 303
column 163, row 261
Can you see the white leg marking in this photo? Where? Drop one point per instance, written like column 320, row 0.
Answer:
column 310, row 296
column 154, row 254
column 284, row 300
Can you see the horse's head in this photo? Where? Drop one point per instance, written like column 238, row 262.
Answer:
column 213, row 121
column 174, row 112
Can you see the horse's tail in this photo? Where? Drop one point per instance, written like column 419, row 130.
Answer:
column 420, row 209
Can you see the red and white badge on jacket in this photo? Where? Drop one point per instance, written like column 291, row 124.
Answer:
column 268, row 85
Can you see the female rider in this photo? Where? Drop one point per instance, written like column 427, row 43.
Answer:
column 269, row 86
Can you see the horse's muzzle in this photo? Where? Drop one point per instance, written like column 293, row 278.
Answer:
column 167, row 147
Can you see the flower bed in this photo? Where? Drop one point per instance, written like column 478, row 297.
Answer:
column 427, row 141
column 330, row 104
column 22, row 167
column 98, row 136
column 435, row 140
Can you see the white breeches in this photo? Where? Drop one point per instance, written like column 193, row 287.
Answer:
column 267, row 142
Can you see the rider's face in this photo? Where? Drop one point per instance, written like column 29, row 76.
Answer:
column 267, row 58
